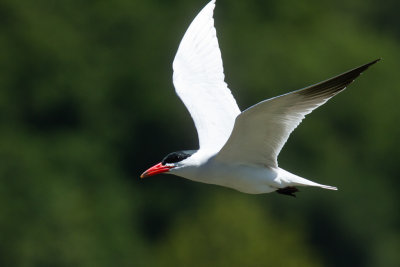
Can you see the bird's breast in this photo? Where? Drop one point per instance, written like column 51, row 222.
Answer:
column 244, row 178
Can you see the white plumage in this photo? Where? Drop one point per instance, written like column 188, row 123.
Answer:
column 199, row 82
column 237, row 149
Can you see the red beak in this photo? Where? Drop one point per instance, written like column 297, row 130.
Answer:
column 156, row 169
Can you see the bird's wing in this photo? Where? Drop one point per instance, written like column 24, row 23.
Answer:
column 261, row 131
column 199, row 82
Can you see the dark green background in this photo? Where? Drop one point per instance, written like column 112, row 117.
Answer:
column 87, row 104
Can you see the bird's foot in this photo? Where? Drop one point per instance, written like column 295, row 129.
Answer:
column 289, row 190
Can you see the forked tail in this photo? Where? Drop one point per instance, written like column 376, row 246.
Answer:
column 294, row 180
column 326, row 186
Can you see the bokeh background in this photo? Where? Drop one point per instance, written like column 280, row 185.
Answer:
column 87, row 104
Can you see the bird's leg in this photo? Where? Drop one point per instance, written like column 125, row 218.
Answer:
column 290, row 190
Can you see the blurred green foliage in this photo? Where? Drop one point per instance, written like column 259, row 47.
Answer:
column 87, row 104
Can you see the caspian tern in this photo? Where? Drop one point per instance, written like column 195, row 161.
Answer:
column 238, row 150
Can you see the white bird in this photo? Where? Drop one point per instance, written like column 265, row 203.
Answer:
column 238, row 150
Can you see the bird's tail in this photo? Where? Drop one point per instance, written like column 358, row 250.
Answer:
column 326, row 186
column 294, row 180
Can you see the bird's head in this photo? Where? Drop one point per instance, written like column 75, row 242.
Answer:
column 171, row 161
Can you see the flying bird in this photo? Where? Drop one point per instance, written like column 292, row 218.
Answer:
column 237, row 149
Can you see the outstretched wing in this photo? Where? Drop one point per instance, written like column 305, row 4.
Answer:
column 261, row 131
column 199, row 82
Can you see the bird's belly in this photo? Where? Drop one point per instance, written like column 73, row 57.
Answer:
column 244, row 178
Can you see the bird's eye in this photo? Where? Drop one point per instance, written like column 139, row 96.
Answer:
column 171, row 158
column 176, row 157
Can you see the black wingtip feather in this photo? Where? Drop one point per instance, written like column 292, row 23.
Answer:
column 336, row 84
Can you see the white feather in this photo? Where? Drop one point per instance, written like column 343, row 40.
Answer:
column 239, row 151
column 199, row 82
column 261, row 130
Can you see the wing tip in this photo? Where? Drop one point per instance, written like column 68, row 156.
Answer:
column 366, row 66
column 374, row 61
column 211, row 4
column 333, row 86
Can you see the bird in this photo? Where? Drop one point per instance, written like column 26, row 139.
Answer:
column 237, row 149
